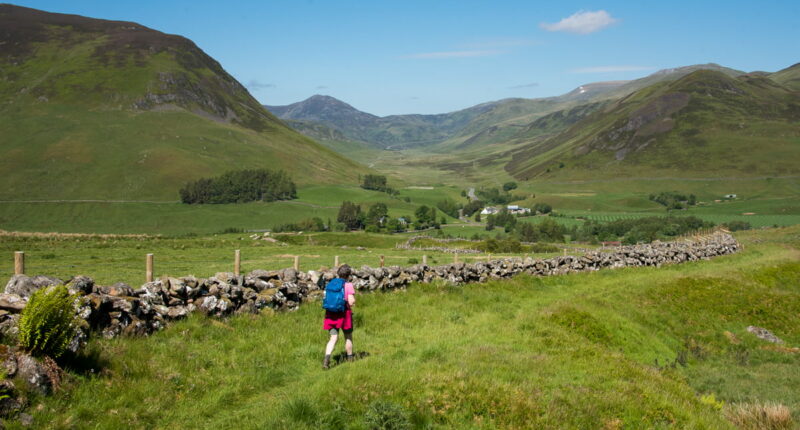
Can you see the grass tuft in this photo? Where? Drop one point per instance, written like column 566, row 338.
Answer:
column 760, row 416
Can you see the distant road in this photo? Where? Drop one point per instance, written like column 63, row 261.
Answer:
column 471, row 194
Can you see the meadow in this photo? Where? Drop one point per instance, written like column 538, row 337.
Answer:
column 630, row 348
column 118, row 258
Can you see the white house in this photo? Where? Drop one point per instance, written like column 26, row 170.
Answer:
column 489, row 210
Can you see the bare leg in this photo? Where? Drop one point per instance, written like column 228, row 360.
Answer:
column 348, row 343
column 331, row 344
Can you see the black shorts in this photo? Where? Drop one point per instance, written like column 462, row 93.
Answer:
column 335, row 331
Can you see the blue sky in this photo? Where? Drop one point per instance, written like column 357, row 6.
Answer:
column 397, row 57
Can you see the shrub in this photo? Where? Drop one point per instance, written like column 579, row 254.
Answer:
column 384, row 415
column 47, row 323
column 737, row 225
column 759, row 416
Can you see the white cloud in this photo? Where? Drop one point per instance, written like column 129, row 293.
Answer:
column 254, row 85
column 611, row 69
column 453, row 54
column 501, row 43
column 582, row 22
column 518, row 87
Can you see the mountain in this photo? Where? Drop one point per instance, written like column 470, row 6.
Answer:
column 707, row 122
column 480, row 125
column 392, row 131
column 97, row 109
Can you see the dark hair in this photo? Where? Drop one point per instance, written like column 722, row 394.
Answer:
column 344, row 271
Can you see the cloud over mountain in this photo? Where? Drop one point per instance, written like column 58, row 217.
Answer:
column 582, row 22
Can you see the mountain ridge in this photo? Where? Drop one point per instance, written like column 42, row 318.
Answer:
column 465, row 126
column 705, row 121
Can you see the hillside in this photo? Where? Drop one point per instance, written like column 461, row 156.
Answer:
column 474, row 127
column 707, row 122
column 97, row 109
column 788, row 77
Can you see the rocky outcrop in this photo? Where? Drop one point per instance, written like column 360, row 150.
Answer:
column 121, row 309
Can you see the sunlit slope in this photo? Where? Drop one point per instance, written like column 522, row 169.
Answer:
column 706, row 123
column 96, row 109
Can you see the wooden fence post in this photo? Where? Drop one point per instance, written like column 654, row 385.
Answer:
column 488, row 258
column 296, row 262
column 424, row 260
column 383, row 260
column 148, row 272
column 455, row 257
column 565, row 252
column 19, row 263
column 237, row 262
column 336, row 261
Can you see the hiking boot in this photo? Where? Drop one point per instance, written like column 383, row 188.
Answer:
column 351, row 358
column 326, row 362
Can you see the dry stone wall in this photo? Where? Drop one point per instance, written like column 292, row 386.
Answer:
column 121, row 309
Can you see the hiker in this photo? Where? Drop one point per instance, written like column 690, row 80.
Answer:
column 338, row 304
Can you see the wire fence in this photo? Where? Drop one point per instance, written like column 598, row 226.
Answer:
column 134, row 269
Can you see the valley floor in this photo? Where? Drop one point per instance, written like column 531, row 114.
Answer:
column 634, row 348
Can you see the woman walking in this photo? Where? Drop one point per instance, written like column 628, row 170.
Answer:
column 339, row 289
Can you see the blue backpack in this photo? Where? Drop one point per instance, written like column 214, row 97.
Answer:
column 334, row 296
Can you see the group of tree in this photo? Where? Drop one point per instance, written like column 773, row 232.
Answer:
column 239, row 187
column 425, row 217
column 494, row 196
column 449, row 207
column 503, row 219
column 377, row 183
column 628, row 231
column 674, row 200
column 648, row 229
column 376, row 218
column 310, row 224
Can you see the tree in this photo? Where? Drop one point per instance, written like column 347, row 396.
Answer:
column 350, row 215
column 449, row 207
column 425, row 217
column 508, row 186
column 472, row 207
column 542, row 208
column 376, row 214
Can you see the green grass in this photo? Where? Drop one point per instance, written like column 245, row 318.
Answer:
column 574, row 351
column 121, row 259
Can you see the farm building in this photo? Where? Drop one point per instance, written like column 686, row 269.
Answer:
column 514, row 209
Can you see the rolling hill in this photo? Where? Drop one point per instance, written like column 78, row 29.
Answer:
column 96, row 109
column 707, row 122
column 477, row 126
